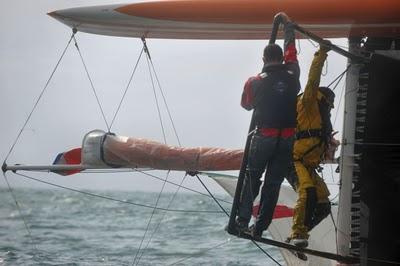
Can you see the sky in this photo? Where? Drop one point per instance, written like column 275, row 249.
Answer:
column 202, row 81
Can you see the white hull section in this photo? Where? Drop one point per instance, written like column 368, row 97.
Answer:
column 321, row 238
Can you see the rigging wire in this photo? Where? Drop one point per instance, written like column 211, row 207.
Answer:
column 91, row 84
column 115, row 171
column 339, row 104
column 209, row 192
column 227, row 214
column 127, row 87
column 162, row 218
column 40, row 96
column 155, row 94
column 186, row 188
column 148, row 57
column 149, row 222
column 165, row 101
column 21, row 214
column 20, row 133
column 109, row 127
column 336, row 230
column 113, row 199
column 200, row 252
column 339, row 77
column 151, row 67
column 176, row 135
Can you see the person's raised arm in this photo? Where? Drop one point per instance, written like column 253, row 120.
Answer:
column 314, row 76
column 290, row 51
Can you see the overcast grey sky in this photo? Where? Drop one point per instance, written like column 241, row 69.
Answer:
column 202, row 82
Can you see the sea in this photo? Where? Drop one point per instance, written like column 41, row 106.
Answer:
column 67, row 227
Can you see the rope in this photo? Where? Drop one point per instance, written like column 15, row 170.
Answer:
column 340, row 76
column 200, row 252
column 127, row 87
column 254, row 242
column 40, row 96
column 326, row 68
column 299, row 45
column 91, row 84
column 312, row 43
column 113, row 199
column 21, row 214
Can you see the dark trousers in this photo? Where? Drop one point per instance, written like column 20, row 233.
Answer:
column 273, row 154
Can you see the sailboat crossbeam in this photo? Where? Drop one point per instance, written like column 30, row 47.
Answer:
column 60, row 167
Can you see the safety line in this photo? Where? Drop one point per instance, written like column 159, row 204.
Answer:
column 127, row 87
column 227, row 214
column 114, row 199
column 40, row 96
column 200, row 252
column 91, row 84
column 21, row 214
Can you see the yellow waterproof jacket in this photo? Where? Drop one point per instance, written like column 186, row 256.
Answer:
column 310, row 150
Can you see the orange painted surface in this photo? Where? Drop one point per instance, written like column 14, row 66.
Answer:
column 262, row 11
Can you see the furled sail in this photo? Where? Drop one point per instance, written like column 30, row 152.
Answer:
column 108, row 150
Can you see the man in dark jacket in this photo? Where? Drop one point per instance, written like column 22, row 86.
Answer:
column 272, row 94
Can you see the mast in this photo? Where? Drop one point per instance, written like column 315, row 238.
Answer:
column 370, row 163
column 347, row 162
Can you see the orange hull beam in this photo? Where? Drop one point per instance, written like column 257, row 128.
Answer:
column 235, row 19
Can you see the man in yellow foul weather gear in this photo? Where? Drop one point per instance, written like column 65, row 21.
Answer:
column 313, row 136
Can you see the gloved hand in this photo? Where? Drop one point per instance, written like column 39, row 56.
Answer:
column 289, row 35
column 285, row 18
column 325, row 46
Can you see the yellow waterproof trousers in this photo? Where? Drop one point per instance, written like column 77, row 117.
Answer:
column 312, row 191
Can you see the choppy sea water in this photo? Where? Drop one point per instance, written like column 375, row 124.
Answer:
column 71, row 228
